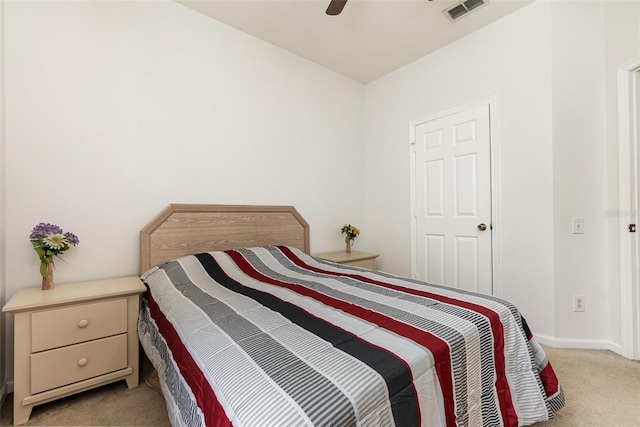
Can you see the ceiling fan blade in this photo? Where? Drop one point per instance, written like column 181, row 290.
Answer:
column 335, row 7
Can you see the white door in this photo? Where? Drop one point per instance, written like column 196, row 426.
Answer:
column 629, row 165
column 452, row 200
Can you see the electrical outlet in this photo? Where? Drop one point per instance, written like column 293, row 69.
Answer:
column 578, row 303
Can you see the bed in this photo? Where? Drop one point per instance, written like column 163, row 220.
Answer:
column 244, row 327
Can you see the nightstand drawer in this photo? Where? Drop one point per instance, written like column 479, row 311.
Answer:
column 62, row 366
column 75, row 324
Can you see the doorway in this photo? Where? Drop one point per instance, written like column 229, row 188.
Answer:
column 453, row 214
column 629, row 166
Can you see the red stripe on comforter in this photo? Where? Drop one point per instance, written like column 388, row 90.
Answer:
column 206, row 399
column 549, row 380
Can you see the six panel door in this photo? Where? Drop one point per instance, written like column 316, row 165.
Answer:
column 453, row 200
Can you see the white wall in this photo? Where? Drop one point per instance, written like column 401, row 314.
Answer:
column 590, row 41
column 509, row 60
column 116, row 109
column 551, row 66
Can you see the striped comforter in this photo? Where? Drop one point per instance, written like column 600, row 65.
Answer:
column 271, row 336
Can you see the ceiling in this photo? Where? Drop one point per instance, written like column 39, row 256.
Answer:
column 369, row 39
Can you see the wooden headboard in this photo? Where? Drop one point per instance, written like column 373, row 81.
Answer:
column 184, row 229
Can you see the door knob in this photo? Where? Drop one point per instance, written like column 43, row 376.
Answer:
column 482, row 227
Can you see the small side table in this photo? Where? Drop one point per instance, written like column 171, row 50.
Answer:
column 73, row 338
column 356, row 258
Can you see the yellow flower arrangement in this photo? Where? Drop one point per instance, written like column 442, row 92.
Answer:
column 351, row 232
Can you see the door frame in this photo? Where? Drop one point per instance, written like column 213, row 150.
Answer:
column 492, row 102
column 629, row 189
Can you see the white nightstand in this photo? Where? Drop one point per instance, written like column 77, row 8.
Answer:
column 359, row 259
column 73, row 338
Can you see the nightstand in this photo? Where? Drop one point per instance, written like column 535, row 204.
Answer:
column 73, row 338
column 359, row 259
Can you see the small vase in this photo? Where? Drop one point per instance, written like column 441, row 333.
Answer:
column 47, row 281
column 348, row 242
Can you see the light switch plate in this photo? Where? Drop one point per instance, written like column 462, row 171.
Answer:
column 577, row 225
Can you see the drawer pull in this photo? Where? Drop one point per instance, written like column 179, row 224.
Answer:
column 83, row 323
column 83, row 362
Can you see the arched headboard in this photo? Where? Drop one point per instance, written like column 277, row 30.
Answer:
column 184, row 229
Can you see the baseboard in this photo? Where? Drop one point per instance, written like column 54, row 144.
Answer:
column 577, row 343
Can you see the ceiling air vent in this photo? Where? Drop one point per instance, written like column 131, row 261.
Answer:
column 459, row 10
